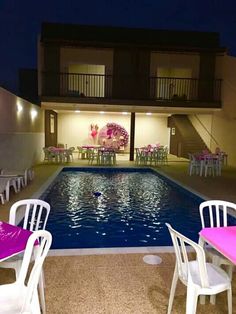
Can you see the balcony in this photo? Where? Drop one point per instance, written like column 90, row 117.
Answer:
column 161, row 90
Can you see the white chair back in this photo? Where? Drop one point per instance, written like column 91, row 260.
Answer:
column 33, row 211
column 182, row 259
column 217, row 211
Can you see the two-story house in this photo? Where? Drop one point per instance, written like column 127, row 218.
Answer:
column 94, row 75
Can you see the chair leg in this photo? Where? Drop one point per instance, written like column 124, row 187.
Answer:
column 172, row 290
column 213, row 299
column 229, row 299
column 2, row 198
column 41, row 293
column 35, row 303
column 230, row 271
column 191, row 303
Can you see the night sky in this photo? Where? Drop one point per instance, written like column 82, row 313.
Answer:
column 20, row 23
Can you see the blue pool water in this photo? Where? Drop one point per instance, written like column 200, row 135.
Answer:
column 114, row 207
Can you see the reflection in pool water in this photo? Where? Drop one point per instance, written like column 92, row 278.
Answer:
column 130, row 208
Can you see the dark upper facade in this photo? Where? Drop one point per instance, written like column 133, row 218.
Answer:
column 114, row 65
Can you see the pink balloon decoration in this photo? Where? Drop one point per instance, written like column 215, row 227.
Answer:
column 94, row 133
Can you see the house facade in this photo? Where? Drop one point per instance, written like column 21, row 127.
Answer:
column 112, row 70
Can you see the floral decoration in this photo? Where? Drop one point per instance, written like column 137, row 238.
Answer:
column 113, row 134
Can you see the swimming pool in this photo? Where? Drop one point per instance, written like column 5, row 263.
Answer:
column 118, row 207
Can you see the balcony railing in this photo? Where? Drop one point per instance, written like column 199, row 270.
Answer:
column 105, row 86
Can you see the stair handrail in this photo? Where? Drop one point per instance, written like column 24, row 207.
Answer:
column 209, row 133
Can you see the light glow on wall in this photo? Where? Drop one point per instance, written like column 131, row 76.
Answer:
column 102, row 112
column 19, row 107
column 148, row 114
column 124, row 113
column 33, row 114
column 77, row 111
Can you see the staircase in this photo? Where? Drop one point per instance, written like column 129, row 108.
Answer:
column 189, row 141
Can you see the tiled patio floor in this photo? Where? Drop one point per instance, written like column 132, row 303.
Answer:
column 123, row 283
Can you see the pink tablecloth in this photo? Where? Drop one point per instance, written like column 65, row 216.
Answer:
column 13, row 240
column 222, row 239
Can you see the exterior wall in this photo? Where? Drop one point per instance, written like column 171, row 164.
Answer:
column 203, row 124
column 131, row 72
column 151, row 130
column 223, row 130
column 86, row 56
column 219, row 67
column 222, row 124
column 174, row 61
column 229, row 86
column 74, row 128
column 40, row 62
column 21, row 135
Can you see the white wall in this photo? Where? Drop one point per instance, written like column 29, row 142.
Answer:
column 21, row 136
column 151, row 130
column 203, row 124
column 223, row 130
column 74, row 128
column 222, row 123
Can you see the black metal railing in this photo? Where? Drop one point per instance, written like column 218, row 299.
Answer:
column 185, row 89
column 101, row 86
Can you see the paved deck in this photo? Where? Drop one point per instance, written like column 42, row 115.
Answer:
column 115, row 284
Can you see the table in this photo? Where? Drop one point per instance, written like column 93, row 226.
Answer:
column 13, row 240
column 222, row 239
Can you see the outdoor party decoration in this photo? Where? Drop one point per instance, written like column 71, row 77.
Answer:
column 94, row 130
column 113, row 135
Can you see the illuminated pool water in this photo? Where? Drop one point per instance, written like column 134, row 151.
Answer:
column 118, row 207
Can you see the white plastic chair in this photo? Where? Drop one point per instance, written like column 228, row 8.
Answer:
column 25, row 175
column 201, row 278
column 18, row 297
column 218, row 212
column 194, row 164
column 69, row 154
column 35, row 215
column 93, row 154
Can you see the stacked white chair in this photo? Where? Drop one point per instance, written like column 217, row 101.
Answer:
column 18, row 297
column 201, row 278
column 34, row 213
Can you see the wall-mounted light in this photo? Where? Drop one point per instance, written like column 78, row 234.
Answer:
column 33, row 113
column 19, row 107
column 148, row 114
column 77, row 111
column 102, row 112
column 124, row 113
